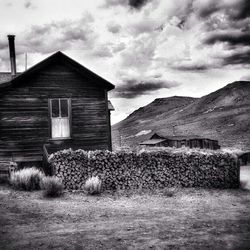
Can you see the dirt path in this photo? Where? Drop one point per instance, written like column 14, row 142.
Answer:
column 191, row 219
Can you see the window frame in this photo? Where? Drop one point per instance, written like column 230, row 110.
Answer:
column 69, row 117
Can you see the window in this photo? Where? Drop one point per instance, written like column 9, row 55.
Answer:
column 60, row 118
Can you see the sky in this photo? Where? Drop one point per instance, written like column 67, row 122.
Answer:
column 147, row 48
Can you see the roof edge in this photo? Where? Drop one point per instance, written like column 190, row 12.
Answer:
column 39, row 65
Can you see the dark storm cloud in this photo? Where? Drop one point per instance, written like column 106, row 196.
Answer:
column 194, row 67
column 205, row 12
column 233, row 38
column 234, row 10
column 137, row 4
column 238, row 58
column 134, row 4
column 239, row 11
column 227, row 24
column 133, row 87
column 244, row 11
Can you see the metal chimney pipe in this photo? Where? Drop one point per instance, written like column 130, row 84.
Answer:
column 12, row 54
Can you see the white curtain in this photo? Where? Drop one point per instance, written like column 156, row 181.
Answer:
column 60, row 128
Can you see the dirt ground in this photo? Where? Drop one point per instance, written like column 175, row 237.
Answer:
column 190, row 219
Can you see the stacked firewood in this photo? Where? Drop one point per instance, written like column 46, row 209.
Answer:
column 150, row 170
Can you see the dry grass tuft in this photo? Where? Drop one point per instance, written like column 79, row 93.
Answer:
column 52, row 186
column 93, row 185
column 27, row 179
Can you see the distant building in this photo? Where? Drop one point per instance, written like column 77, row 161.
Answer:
column 245, row 158
column 160, row 140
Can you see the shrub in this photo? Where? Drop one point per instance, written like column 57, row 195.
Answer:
column 52, row 186
column 93, row 185
column 28, row 179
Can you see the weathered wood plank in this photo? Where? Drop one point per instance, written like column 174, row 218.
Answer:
column 24, row 117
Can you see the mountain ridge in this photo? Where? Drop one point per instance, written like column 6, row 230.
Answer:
column 223, row 115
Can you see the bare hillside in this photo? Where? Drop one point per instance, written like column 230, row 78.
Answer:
column 223, row 115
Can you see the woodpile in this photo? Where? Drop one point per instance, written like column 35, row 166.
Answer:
column 151, row 170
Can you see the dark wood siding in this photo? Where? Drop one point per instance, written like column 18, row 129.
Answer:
column 24, row 113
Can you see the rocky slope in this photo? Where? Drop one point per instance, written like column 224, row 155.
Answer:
column 223, row 115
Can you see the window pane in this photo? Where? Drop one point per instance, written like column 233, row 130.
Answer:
column 55, row 108
column 64, row 108
column 65, row 131
column 56, row 127
column 60, row 128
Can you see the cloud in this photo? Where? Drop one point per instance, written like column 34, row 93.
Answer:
column 102, row 50
column 28, row 5
column 232, row 38
column 118, row 47
column 137, row 4
column 245, row 78
column 114, row 3
column 139, row 53
column 113, row 27
column 54, row 36
column 59, row 36
column 134, row 87
column 233, row 9
column 134, row 4
column 145, row 25
column 244, row 10
column 9, row 4
column 191, row 67
column 226, row 28
column 181, row 24
column 4, row 44
column 187, row 36
column 65, row 35
column 239, row 57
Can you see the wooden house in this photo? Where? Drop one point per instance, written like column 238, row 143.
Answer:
column 162, row 140
column 58, row 103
